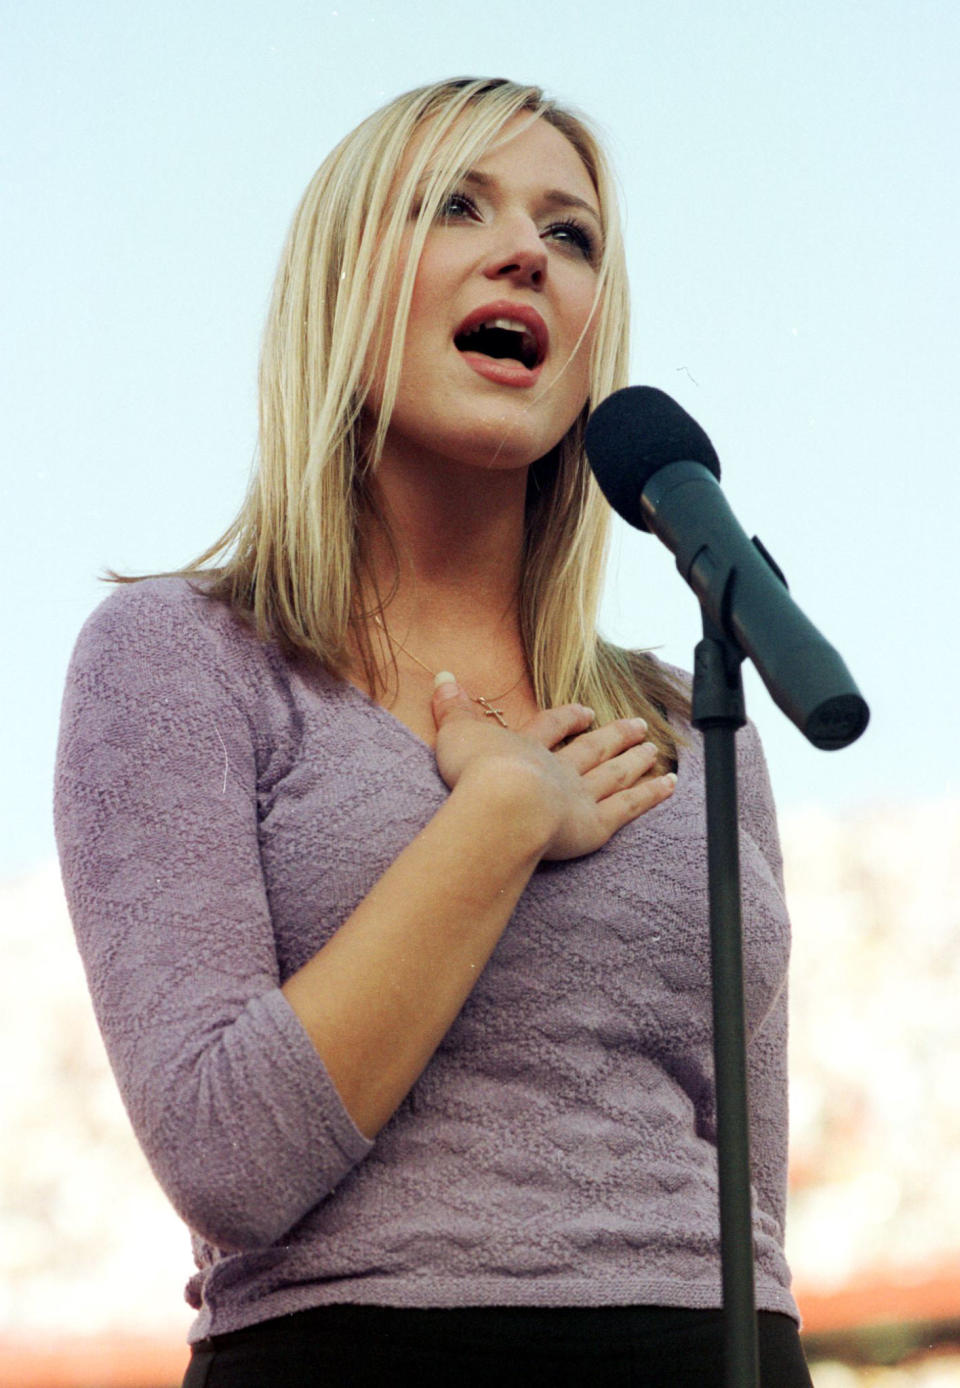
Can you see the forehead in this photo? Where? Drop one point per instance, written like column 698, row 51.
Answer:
column 529, row 153
column 537, row 153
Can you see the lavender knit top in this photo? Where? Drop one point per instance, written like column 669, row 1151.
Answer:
column 220, row 810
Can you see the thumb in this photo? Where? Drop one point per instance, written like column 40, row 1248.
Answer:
column 449, row 698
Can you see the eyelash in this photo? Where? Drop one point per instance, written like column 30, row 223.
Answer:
column 466, row 203
column 581, row 236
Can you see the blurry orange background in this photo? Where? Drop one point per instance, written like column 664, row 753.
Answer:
column 93, row 1260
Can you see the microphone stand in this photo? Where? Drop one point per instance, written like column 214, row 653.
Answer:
column 718, row 712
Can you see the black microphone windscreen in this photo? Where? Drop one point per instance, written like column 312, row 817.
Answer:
column 633, row 434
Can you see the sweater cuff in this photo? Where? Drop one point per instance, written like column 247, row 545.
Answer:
column 328, row 1121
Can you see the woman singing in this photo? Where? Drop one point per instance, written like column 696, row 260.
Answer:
column 387, row 871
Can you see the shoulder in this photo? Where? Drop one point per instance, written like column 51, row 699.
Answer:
column 169, row 620
column 164, row 640
column 666, row 686
column 153, row 605
column 753, row 777
column 749, row 747
column 674, row 674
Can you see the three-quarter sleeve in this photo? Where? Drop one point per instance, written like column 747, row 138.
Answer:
column 156, row 820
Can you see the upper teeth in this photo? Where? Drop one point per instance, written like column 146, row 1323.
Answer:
column 510, row 325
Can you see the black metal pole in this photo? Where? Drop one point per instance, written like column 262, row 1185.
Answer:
column 718, row 711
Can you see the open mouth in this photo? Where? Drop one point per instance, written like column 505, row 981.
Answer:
column 505, row 333
column 501, row 338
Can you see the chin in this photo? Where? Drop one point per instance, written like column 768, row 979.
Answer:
column 503, row 455
column 493, row 435
column 504, row 459
column 503, row 443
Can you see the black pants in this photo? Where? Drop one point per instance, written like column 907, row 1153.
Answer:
column 490, row 1347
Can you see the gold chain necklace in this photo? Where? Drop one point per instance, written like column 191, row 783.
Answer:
column 486, row 704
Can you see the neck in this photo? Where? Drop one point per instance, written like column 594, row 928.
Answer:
column 457, row 535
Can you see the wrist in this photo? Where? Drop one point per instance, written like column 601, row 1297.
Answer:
column 512, row 798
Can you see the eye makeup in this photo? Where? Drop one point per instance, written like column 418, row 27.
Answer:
column 579, row 234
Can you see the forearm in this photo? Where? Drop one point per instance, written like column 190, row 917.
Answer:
column 380, row 996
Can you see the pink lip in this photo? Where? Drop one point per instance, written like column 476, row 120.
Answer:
column 505, row 371
column 502, row 371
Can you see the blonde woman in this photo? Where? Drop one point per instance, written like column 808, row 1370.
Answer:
column 386, row 870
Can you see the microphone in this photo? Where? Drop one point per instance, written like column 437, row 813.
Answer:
column 660, row 472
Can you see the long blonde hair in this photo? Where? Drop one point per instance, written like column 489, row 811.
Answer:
column 292, row 559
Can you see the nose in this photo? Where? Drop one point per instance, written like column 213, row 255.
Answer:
column 520, row 256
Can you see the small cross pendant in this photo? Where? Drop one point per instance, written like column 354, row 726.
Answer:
column 490, row 711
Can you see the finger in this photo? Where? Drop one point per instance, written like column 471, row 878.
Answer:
column 621, row 772
column 554, row 725
column 616, row 811
column 626, row 805
column 449, row 700
column 601, row 744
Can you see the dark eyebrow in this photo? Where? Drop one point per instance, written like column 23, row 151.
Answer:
column 558, row 198
column 480, row 179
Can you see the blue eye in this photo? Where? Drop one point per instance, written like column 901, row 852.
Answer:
column 575, row 234
column 457, row 205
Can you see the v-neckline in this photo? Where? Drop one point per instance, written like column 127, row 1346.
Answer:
column 390, row 718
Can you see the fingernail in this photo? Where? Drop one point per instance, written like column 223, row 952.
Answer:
column 671, row 779
column 443, row 679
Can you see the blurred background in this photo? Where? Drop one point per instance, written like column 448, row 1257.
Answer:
column 789, row 182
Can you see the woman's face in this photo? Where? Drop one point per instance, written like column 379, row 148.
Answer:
column 496, row 359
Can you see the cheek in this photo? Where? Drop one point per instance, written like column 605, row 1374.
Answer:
column 580, row 365
column 582, row 312
column 375, row 366
column 590, row 327
column 432, row 289
column 590, row 316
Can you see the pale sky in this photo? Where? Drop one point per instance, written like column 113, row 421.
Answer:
column 789, row 174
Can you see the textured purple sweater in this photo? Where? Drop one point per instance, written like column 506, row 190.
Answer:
column 220, row 811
